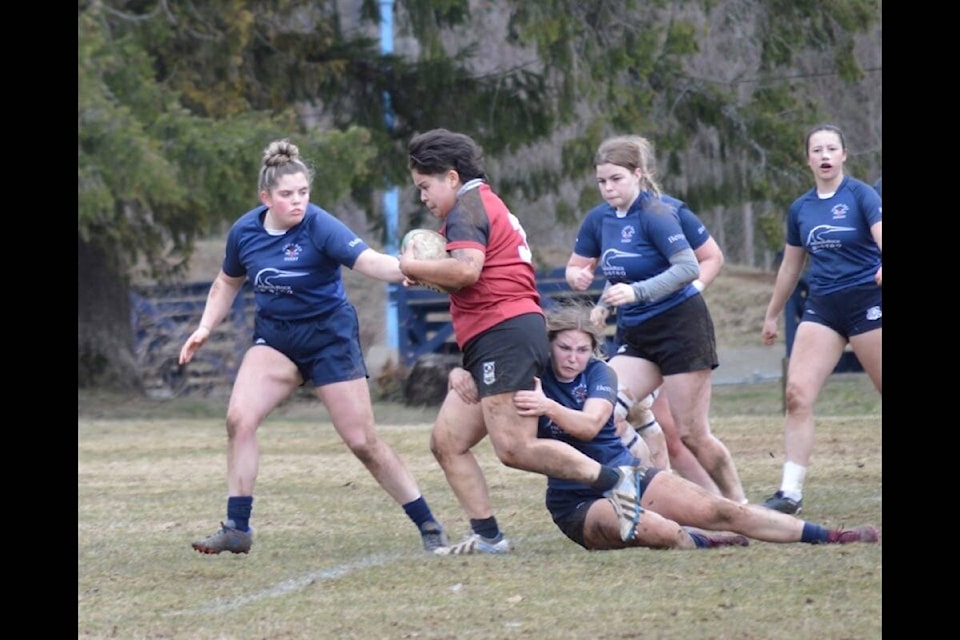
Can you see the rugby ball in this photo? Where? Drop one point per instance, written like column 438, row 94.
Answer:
column 426, row 244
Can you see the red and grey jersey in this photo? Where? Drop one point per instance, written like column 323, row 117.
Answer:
column 507, row 286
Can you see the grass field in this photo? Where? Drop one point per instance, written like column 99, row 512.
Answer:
column 334, row 557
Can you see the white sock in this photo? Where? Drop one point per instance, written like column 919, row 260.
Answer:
column 792, row 483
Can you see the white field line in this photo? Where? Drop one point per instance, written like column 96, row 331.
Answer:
column 287, row 586
column 298, row 583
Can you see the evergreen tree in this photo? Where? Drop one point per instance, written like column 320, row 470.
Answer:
column 176, row 100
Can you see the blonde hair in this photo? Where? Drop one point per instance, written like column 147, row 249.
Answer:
column 575, row 316
column 632, row 152
column 281, row 158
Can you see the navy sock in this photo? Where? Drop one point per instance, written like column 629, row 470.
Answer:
column 486, row 527
column 238, row 510
column 418, row 511
column 813, row 533
column 608, row 479
column 698, row 539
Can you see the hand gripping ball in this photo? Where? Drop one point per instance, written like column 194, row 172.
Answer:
column 426, row 244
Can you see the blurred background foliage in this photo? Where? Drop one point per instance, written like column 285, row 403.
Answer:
column 177, row 99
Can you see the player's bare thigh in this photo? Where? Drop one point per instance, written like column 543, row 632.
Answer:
column 509, row 431
column 638, row 375
column 689, row 395
column 459, row 425
column 601, row 529
column 816, row 351
column 868, row 348
column 678, row 499
column 265, row 378
column 350, row 409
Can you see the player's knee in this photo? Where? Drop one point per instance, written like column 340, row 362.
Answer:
column 798, row 399
column 510, row 452
column 695, row 440
column 365, row 449
column 512, row 460
column 239, row 425
column 436, row 448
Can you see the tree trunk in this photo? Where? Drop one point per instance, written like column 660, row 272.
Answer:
column 104, row 334
column 427, row 383
column 749, row 251
column 718, row 230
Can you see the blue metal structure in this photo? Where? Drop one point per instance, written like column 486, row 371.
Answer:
column 425, row 315
column 163, row 316
column 391, row 196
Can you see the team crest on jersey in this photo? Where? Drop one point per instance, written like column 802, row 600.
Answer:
column 489, row 373
column 627, row 233
column 840, row 211
column 292, row 252
column 579, row 393
column 554, row 430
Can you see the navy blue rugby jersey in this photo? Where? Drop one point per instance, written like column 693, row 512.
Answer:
column 295, row 275
column 835, row 231
column 598, row 380
column 635, row 247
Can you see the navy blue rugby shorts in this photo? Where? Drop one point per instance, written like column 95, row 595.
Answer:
column 507, row 356
column 679, row 340
column 850, row 312
column 325, row 349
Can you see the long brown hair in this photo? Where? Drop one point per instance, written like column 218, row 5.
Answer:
column 631, row 152
column 575, row 316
